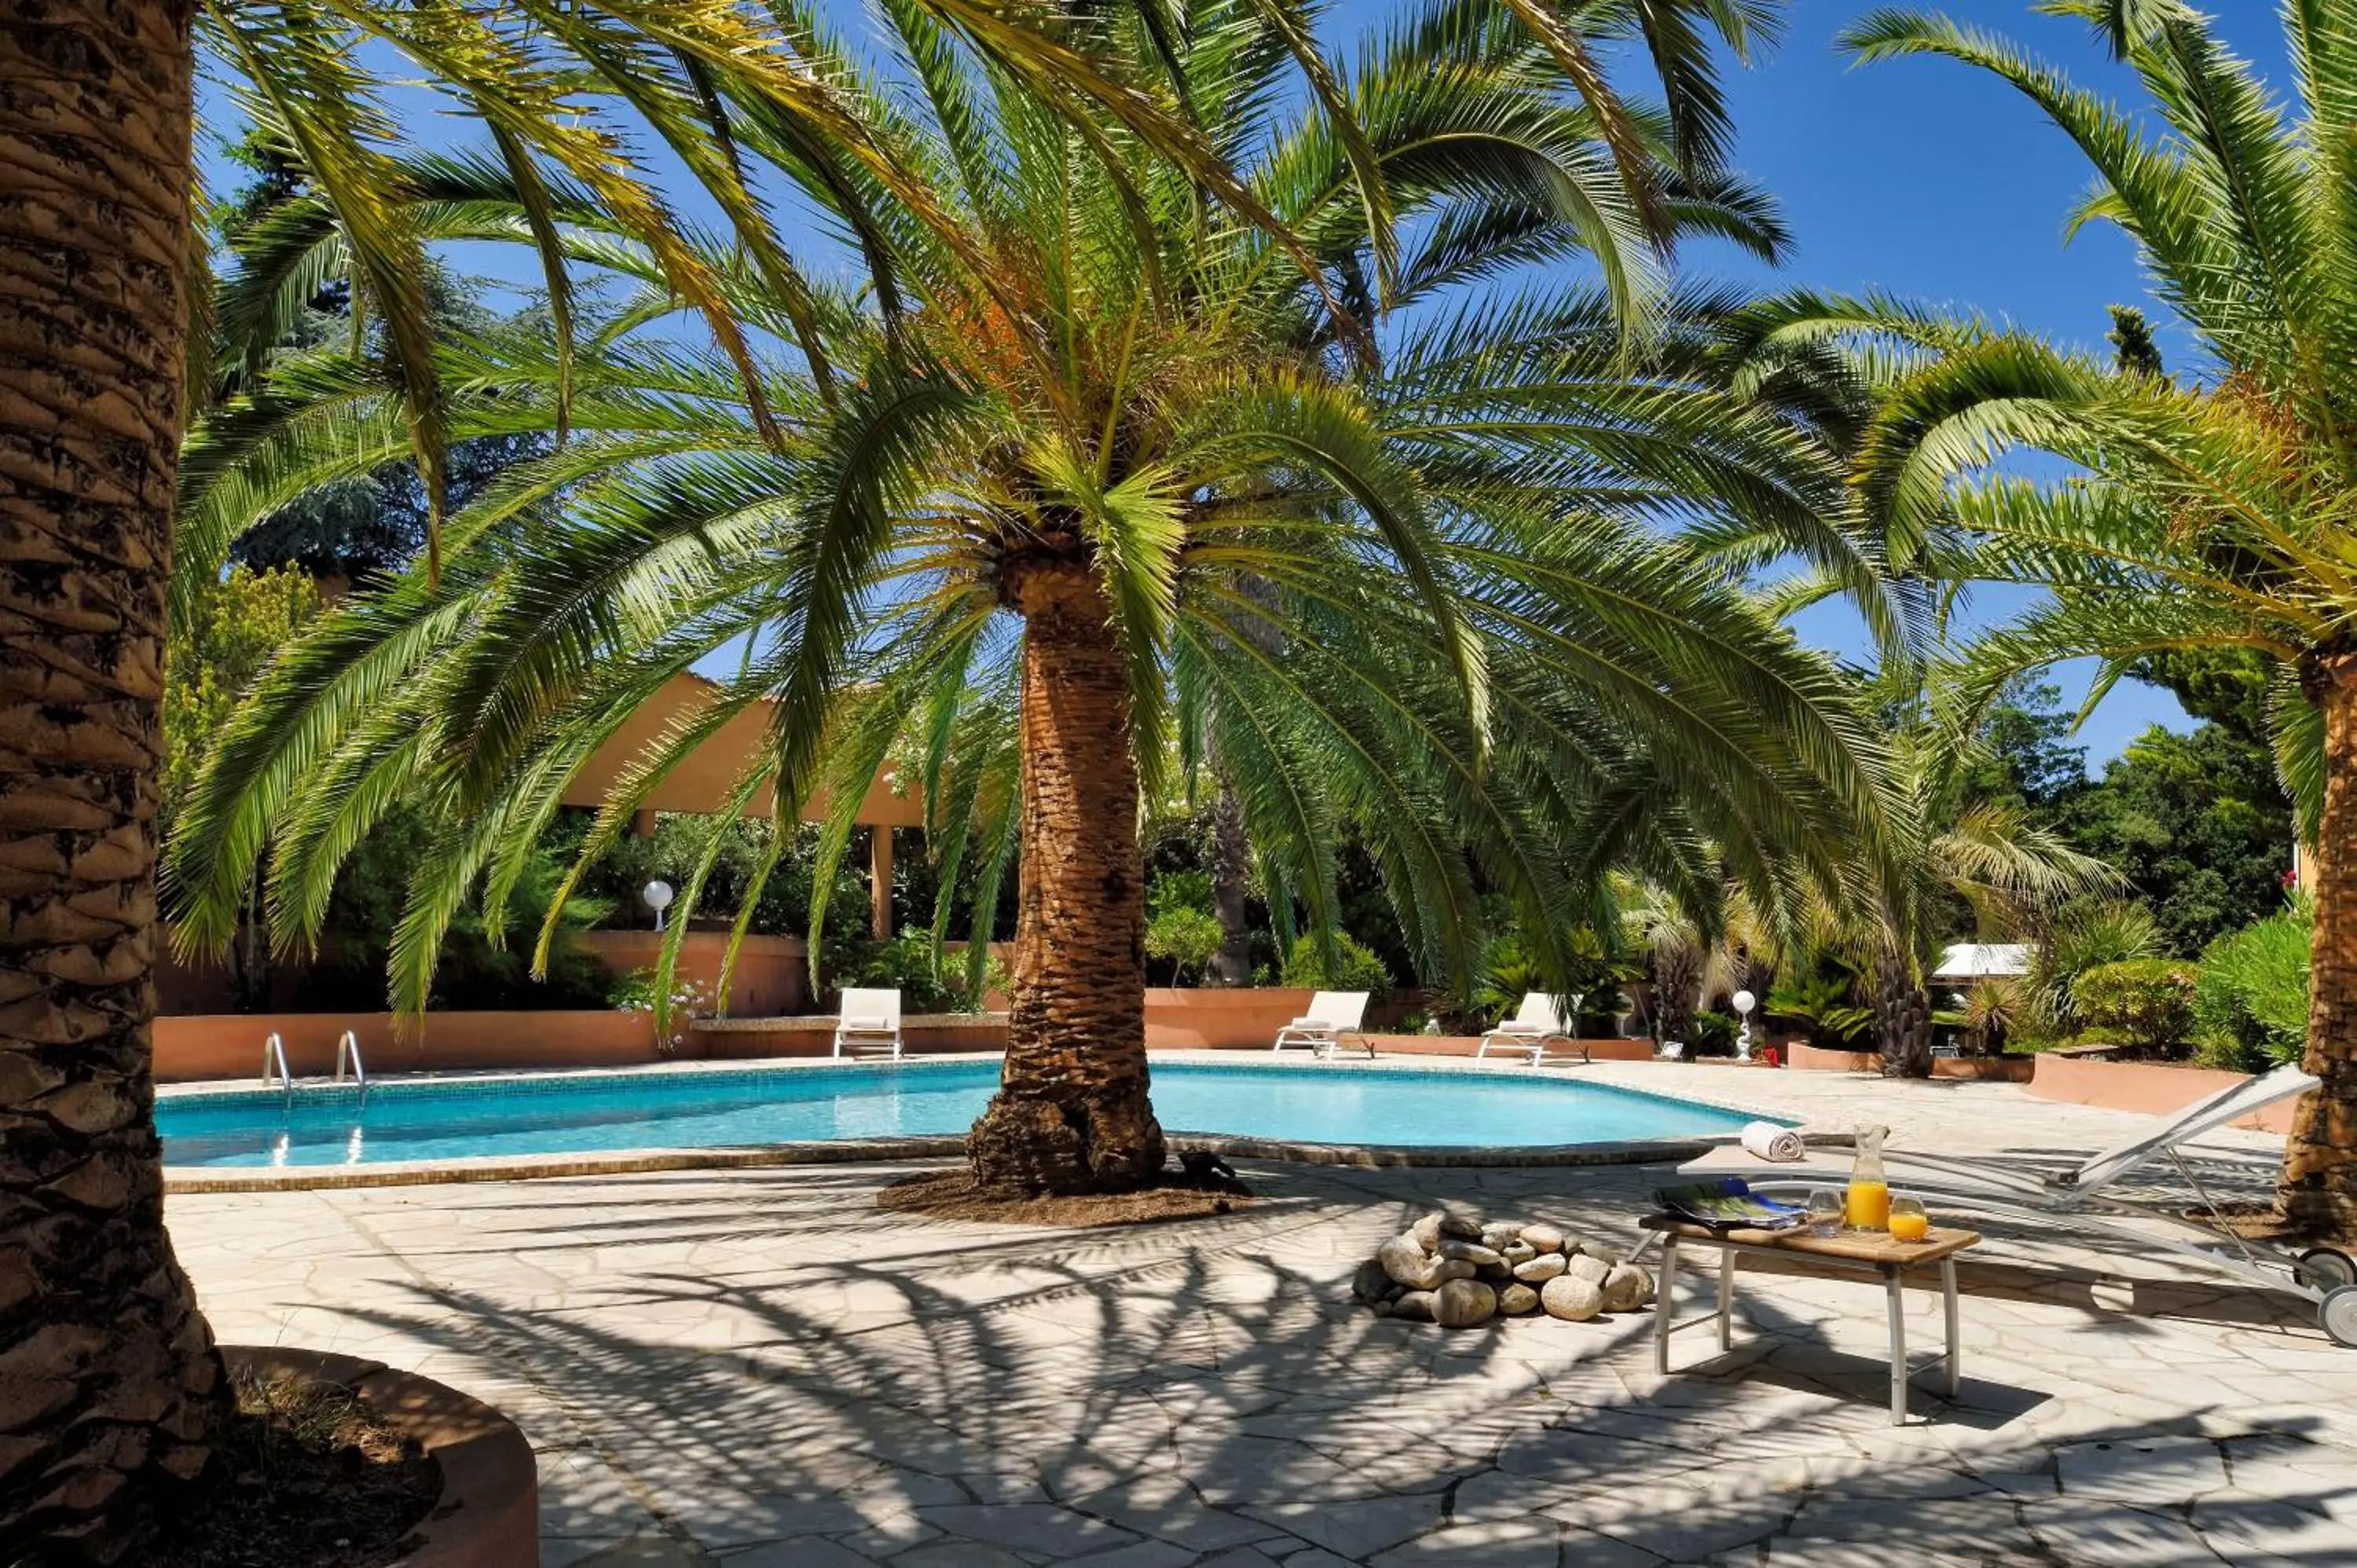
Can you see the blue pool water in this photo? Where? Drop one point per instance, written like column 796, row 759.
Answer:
column 560, row 1113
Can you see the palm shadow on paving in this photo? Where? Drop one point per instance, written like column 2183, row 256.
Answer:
column 965, row 1394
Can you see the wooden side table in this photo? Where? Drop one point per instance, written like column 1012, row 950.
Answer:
column 1868, row 1252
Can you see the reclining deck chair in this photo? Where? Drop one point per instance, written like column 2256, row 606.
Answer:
column 2325, row 1277
column 1537, row 1021
column 1332, row 1016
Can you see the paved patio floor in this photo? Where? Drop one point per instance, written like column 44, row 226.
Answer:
column 757, row 1369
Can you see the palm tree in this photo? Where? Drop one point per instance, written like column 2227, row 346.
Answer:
column 115, row 1388
column 2207, row 516
column 1980, row 859
column 1103, row 478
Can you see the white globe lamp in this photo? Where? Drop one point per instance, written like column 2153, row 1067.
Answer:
column 1744, row 1002
column 658, row 896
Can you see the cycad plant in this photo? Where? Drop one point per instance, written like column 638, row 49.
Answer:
column 2204, row 514
column 1101, row 481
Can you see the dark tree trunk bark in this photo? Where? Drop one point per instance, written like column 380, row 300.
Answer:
column 110, row 1386
column 1230, row 882
column 1677, row 976
column 1071, row 1113
column 1903, row 1011
column 2318, row 1187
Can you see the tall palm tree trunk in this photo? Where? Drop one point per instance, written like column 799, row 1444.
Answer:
column 1903, row 1013
column 110, row 1386
column 1071, row 1113
column 1231, row 883
column 2318, row 1185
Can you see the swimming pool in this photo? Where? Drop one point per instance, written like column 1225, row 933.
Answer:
column 559, row 1114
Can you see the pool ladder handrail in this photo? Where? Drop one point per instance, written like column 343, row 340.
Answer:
column 273, row 1059
column 348, row 1054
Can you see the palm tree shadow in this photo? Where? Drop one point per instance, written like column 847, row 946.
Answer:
column 1210, row 1384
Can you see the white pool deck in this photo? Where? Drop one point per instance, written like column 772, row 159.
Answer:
column 757, row 1368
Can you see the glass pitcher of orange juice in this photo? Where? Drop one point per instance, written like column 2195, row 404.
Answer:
column 1870, row 1189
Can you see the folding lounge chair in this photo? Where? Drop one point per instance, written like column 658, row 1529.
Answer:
column 1332, row 1016
column 2324, row 1277
column 1537, row 1021
column 869, row 1025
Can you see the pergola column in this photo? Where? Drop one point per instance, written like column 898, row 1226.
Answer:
column 879, row 881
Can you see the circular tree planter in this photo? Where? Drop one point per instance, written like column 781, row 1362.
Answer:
column 488, row 1515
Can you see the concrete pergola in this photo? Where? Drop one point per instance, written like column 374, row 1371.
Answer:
column 702, row 784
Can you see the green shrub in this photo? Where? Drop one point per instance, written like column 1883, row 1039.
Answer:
column 1713, row 1035
column 1355, row 967
column 2143, row 1003
column 1185, row 938
column 908, row 963
column 2251, row 1002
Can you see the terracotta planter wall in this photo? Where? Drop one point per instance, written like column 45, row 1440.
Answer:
column 738, row 1039
column 1466, row 1044
column 229, row 1045
column 1814, row 1058
column 1179, row 1018
column 2155, row 1088
column 488, row 1515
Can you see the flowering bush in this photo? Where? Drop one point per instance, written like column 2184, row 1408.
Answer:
column 689, row 999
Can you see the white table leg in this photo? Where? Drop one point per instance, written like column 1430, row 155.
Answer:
column 1665, row 1302
column 1898, row 1348
column 1955, row 1333
column 1725, row 1299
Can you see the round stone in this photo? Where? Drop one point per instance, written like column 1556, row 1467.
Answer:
column 1539, row 1270
column 1408, row 1264
column 1518, row 1301
column 1447, row 1269
column 1427, row 1231
column 1471, row 1251
column 1496, row 1274
column 1518, row 1251
column 1462, row 1229
column 1569, row 1296
column 1500, row 1237
column 1627, row 1288
column 1415, row 1306
column 1590, row 1268
column 1599, row 1250
column 1380, row 1308
column 1372, row 1282
column 1461, row 1304
column 1542, row 1238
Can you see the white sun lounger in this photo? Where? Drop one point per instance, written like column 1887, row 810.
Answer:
column 869, row 1025
column 1332, row 1016
column 2324, row 1276
column 1536, row 1021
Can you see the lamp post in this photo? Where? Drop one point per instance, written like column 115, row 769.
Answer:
column 658, row 896
column 1744, row 1002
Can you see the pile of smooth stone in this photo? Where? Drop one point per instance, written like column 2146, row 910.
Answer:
column 1459, row 1272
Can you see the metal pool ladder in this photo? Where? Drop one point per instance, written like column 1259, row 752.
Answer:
column 348, row 1055
column 273, row 1060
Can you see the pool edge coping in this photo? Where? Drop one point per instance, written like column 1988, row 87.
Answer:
column 200, row 1179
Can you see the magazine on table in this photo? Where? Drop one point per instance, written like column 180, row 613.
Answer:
column 1729, row 1203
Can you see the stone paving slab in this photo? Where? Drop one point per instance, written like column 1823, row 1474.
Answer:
column 758, row 1367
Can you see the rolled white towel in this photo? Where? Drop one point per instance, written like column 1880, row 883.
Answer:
column 1780, row 1145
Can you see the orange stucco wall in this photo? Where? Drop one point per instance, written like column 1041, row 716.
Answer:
column 773, row 972
column 706, row 778
column 229, row 1045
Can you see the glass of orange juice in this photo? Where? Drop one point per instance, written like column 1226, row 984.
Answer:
column 1909, row 1222
column 1869, row 1205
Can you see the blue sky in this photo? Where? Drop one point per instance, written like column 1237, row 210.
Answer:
column 1940, row 182
column 1922, row 178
